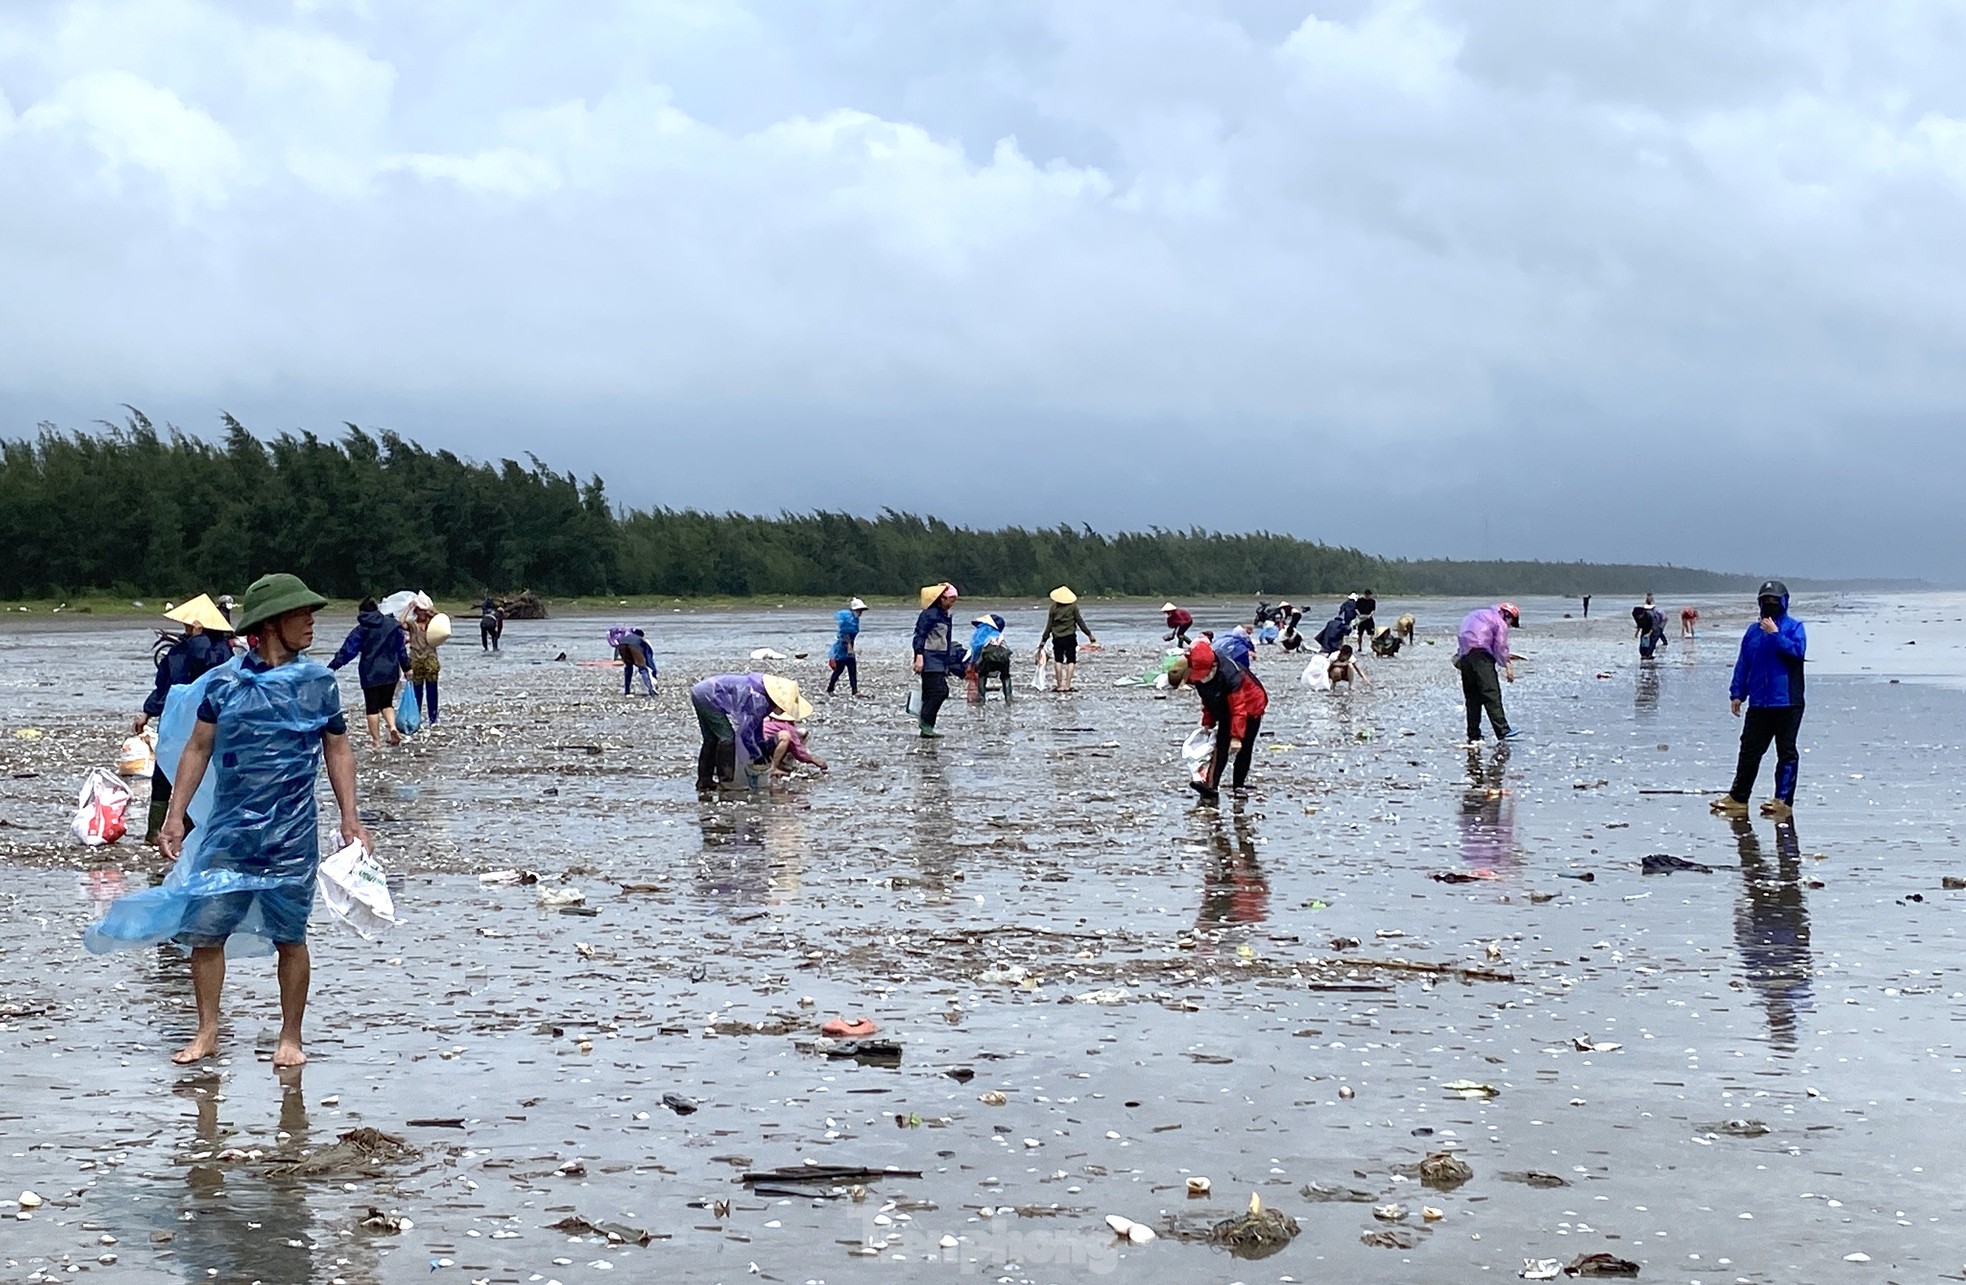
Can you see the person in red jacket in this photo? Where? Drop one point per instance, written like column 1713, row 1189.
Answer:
column 1179, row 623
column 1232, row 702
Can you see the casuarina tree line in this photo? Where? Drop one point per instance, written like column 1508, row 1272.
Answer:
column 137, row 510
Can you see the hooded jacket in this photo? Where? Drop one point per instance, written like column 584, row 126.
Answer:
column 379, row 641
column 848, row 623
column 1768, row 674
column 187, row 659
column 742, row 699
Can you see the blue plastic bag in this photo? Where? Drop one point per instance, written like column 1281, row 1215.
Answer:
column 247, row 870
column 409, row 719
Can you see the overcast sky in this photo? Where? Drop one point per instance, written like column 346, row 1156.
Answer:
column 1670, row 281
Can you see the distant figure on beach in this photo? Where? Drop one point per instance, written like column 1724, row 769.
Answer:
column 1237, row 645
column 731, row 710
column 385, row 654
column 637, row 657
column 1768, row 679
column 1179, row 623
column 1365, row 626
column 1233, row 702
column 1689, row 622
column 1339, row 627
column 205, row 644
column 1344, row 668
column 491, row 624
column 264, row 726
column 425, row 668
column 842, row 658
column 1587, row 606
column 1061, row 627
column 1405, row 626
column 936, row 653
column 988, row 654
column 1481, row 648
column 1386, row 644
column 1649, row 627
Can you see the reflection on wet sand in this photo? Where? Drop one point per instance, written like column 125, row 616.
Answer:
column 236, row 1223
column 1234, row 890
column 933, row 849
column 1771, row 929
column 754, row 850
column 1488, row 811
column 1645, row 699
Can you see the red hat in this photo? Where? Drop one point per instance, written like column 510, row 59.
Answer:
column 1201, row 655
column 1510, row 610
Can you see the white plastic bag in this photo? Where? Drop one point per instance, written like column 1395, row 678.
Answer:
column 138, row 754
column 356, row 890
column 99, row 808
column 1199, row 745
column 1317, row 674
column 1039, row 682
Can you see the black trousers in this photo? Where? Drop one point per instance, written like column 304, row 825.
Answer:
column 1481, row 688
column 1244, row 756
column 716, row 758
column 1777, row 723
column 851, row 668
column 935, row 690
column 985, row 668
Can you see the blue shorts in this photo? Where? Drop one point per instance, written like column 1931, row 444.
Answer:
column 283, row 912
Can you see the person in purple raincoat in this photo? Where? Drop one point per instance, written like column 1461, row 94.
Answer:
column 730, row 711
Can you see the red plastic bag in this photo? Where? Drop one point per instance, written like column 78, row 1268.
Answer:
column 99, row 808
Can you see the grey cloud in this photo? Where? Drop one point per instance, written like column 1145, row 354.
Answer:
column 1502, row 279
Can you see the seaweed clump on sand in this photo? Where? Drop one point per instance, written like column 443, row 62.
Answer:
column 359, row 1151
column 1255, row 1233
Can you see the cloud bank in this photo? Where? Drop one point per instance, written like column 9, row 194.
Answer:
column 1634, row 281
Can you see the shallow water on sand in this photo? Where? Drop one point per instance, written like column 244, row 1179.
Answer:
column 1808, row 983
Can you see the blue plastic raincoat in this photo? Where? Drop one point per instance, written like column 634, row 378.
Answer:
column 246, row 875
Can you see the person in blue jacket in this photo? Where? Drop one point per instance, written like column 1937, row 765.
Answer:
column 937, row 653
column 841, row 658
column 988, row 654
column 1332, row 636
column 384, row 653
column 1768, row 679
column 1237, row 645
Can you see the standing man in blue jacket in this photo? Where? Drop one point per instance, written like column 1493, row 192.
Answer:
column 1768, row 678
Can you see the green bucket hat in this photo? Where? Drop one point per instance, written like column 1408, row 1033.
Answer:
column 274, row 595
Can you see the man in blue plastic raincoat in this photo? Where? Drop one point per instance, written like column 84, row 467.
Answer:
column 268, row 719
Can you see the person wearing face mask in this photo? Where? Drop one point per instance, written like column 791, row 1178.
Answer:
column 1768, row 681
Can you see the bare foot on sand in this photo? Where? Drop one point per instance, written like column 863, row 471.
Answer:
column 201, row 1047
column 289, row 1054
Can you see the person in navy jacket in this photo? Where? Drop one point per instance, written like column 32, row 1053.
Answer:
column 1768, row 680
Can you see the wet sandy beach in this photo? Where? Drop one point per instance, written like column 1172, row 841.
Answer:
column 1099, row 986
